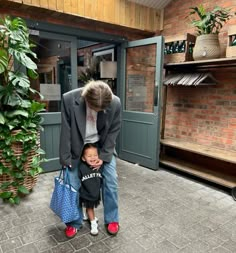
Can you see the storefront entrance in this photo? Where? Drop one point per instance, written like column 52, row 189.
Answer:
column 64, row 57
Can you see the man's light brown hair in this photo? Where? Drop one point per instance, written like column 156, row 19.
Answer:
column 97, row 94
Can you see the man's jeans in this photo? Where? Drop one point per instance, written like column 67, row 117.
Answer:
column 109, row 193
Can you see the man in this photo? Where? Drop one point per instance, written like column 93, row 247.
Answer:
column 92, row 114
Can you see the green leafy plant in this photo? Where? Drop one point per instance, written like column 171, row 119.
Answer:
column 20, row 121
column 91, row 72
column 209, row 22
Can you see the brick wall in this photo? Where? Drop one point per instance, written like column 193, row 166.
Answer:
column 203, row 114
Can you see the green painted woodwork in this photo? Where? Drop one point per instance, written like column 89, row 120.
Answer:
column 49, row 140
column 139, row 140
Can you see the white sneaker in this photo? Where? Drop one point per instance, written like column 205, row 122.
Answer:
column 94, row 227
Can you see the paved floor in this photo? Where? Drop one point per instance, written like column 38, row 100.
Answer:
column 161, row 212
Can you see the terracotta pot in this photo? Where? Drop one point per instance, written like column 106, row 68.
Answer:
column 207, row 46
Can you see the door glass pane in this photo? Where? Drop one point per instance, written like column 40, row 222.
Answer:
column 54, row 69
column 140, row 78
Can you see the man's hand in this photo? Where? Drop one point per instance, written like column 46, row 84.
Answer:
column 67, row 166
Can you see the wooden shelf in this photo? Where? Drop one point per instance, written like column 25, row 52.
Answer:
column 209, row 163
column 196, row 170
column 227, row 156
column 213, row 63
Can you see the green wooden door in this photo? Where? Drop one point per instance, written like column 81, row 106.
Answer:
column 141, row 79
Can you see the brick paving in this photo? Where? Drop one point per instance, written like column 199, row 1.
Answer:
column 160, row 212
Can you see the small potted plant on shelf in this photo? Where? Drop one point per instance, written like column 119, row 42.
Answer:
column 208, row 25
column 20, row 121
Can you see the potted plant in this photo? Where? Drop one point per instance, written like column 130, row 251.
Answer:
column 208, row 26
column 20, row 121
column 91, row 72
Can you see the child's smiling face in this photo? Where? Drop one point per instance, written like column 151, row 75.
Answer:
column 90, row 156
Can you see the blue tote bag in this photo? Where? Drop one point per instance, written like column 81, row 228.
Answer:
column 64, row 201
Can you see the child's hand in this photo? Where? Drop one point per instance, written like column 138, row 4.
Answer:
column 97, row 164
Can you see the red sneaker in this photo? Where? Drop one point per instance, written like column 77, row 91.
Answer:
column 70, row 231
column 113, row 228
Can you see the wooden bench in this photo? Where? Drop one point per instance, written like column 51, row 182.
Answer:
column 227, row 156
column 215, row 165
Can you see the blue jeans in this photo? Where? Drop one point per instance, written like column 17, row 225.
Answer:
column 109, row 193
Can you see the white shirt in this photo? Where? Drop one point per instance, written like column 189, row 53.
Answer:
column 91, row 132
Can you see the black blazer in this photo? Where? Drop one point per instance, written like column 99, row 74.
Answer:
column 73, row 123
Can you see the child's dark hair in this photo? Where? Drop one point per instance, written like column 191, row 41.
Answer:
column 87, row 146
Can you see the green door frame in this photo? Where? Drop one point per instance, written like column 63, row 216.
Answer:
column 76, row 32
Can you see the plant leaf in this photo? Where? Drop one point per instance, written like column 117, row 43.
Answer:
column 19, row 78
column 3, row 60
column 41, row 151
column 16, row 200
column 2, row 119
column 25, row 104
column 37, row 107
column 23, row 189
column 24, row 59
column 5, row 195
column 12, row 100
column 18, row 112
column 11, row 200
column 32, row 73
